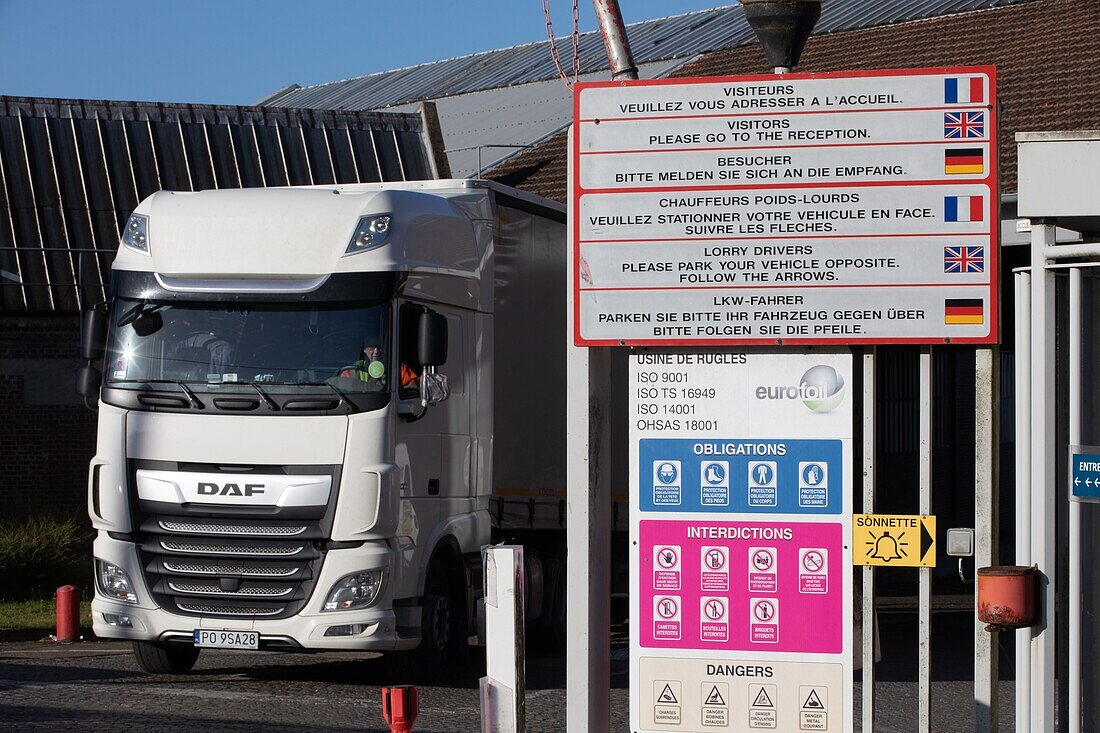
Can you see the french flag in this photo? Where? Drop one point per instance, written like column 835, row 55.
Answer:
column 964, row 90
column 963, row 208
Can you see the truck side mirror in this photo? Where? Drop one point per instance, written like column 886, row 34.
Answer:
column 88, row 380
column 93, row 339
column 432, row 339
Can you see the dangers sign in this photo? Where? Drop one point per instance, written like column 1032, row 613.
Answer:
column 894, row 540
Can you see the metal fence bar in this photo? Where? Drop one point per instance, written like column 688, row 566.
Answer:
column 868, row 615
column 1023, row 486
column 1044, row 537
column 987, row 383
column 1073, row 704
column 924, row 624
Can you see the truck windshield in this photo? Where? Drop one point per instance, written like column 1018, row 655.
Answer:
column 214, row 346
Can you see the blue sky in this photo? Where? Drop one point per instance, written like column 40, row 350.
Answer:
column 236, row 51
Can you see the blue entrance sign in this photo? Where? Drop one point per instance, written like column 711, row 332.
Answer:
column 739, row 475
column 1084, row 474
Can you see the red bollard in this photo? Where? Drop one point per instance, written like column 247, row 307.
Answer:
column 400, row 707
column 68, row 613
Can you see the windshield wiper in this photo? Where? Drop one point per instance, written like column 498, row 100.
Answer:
column 267, row 398
column 344, row 399
column 191, row 396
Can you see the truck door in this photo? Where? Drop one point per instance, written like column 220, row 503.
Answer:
column 434, row 451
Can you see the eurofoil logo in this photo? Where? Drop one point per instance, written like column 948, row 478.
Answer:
column 821, row 389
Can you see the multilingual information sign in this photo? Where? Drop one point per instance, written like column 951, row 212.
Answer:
column 853, row 207
column 740, row 555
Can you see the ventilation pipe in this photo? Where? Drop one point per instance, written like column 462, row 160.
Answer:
column 782, row 27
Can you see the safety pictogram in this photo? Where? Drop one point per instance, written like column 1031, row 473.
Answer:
column 713, row 619
column 894, row 540
column 714, row 486
column 716, row 712
column 666, row 483
column 813, row 572
column 762, row 700
column 813, row 483
column 763, row 570
column 666, row 697
column 666, row 567
column 666, row 617
column 812, row 714
column 764, row 620
column 762, row 483
column 715, row 569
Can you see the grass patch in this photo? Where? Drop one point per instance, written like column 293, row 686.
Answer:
column 40, row 614
column 37, row 554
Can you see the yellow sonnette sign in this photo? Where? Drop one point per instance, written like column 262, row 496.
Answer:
column 894, row 540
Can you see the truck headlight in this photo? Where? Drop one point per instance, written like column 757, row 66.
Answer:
column 136, row 234
column 370, row 233
column 113, row 582
column 354, row 591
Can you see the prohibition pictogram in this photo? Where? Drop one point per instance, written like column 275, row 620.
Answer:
column 667, row 557
column 813, row 561
column 763, row 610
column 715, row 559
column 714, row 609
column 667, row 608
column 762, row 560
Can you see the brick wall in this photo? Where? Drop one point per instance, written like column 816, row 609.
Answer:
column 47, row 436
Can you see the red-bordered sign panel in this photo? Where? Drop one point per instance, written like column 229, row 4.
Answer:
column 850, row 207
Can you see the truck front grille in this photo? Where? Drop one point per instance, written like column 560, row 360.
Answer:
column 232, row 560
column 214, row 548
column 205, row 589
column 212, row 609
column 235, row 529
column 239, row 567
column 244, row 571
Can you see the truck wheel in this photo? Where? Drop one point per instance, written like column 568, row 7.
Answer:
column 438, row 626
column 165, row 658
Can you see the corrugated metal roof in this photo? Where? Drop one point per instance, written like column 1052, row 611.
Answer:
column 72, row 171
column 674, row 37
column 481, row 129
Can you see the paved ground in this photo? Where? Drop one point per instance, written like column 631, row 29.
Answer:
column 97, row 686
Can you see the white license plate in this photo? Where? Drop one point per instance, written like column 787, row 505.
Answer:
column 214, row 639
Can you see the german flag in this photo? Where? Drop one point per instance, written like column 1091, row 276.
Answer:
column 967, row 311
column 963, row 160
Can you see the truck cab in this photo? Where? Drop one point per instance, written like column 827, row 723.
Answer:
column 295, row 394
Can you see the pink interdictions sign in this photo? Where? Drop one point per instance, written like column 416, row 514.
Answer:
column 733, row 579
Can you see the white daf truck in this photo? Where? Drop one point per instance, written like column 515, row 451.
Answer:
column 316, row 406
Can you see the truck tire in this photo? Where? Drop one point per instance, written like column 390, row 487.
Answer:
column 165, row 658
column 438, row 626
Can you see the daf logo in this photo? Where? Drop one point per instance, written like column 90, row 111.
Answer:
column 208, row 489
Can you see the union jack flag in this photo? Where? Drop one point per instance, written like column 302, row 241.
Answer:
column 964, row 259
column 963, row 124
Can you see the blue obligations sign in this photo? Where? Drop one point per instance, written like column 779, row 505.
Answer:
column 741, row 475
